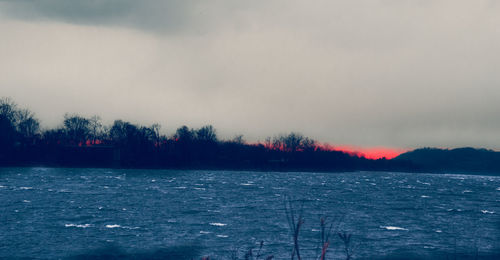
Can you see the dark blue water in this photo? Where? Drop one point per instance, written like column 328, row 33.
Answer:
column 59, row 213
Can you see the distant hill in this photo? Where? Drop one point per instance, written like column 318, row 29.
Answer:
column 453, row 160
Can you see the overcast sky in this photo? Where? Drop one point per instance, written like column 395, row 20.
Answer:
column 390, row 73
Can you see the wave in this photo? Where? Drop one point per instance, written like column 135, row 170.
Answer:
column 393, row 228
column 113, row 226
column 217, row 224
column 78, row 225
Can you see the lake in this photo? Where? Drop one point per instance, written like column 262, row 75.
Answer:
column 57, row 213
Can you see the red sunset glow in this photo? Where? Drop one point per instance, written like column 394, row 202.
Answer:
column 371, row 152
column 377, row 152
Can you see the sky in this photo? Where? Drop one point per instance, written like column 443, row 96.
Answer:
column 374, row 74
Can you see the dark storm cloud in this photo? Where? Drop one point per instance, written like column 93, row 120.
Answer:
column 155, row 15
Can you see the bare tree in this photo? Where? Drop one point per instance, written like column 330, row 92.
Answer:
column 17, row 124
column 238, row 140
column 292, row 142
column 206, row 134
column 184, row 134
column 8, row 133
column 95, row 127
column 155, row 128
column 8, row 109
column 27, row 125
column 77, row 128
column 268, row 143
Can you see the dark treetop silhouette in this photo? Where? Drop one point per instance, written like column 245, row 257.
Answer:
column 85, row 142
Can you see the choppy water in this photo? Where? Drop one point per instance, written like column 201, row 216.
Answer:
column 59, row 213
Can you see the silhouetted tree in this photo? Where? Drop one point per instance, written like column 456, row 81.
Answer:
column 238, row 140
column 205, row 147
column 268, row 143
column 123, row 133
column 77, row 128
column 95, row 128
column 27, row 125
column 18, row 128
column 8, row 109
column 137, row 143
column 155, row 132
column 293, row 142
column 184, row 138
column 206, row 134
column 183, row 134
column 8, row 133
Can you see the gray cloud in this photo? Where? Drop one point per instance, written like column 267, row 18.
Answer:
column 151, row 15
column 367, row 73
column 157, row 16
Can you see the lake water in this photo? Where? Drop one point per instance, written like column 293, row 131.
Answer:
column 79, row 213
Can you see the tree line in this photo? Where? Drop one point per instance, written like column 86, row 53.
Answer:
column 86, row 142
